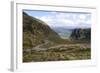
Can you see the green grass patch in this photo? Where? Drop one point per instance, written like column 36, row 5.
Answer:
column 58, row 54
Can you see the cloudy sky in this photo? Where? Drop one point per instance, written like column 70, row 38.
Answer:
column 63, row 19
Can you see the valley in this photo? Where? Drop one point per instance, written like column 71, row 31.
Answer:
column 42, row 43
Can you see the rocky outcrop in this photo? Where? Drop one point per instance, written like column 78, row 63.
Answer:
column 81, row 34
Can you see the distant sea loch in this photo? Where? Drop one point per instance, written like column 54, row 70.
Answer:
column 63, row 32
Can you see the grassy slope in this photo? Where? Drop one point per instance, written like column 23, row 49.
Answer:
column 58, row 54
column 35, row 32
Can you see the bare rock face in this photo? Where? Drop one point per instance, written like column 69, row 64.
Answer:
column 81, row 34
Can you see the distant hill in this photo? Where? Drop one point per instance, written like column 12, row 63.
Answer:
column 36, row 32
column 81, row 34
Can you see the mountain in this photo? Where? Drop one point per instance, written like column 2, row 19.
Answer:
column 81, row 34
column 35, row 32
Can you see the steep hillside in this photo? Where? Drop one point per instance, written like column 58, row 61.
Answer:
column 81, row 34
column 36, row 32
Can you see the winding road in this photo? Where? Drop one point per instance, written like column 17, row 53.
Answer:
column 38, row 47
column 81, row 45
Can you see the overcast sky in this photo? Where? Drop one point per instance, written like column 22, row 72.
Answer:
column 63, row 19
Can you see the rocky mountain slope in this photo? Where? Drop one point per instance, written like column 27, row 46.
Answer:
column 81, row 34
column 35, row 32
